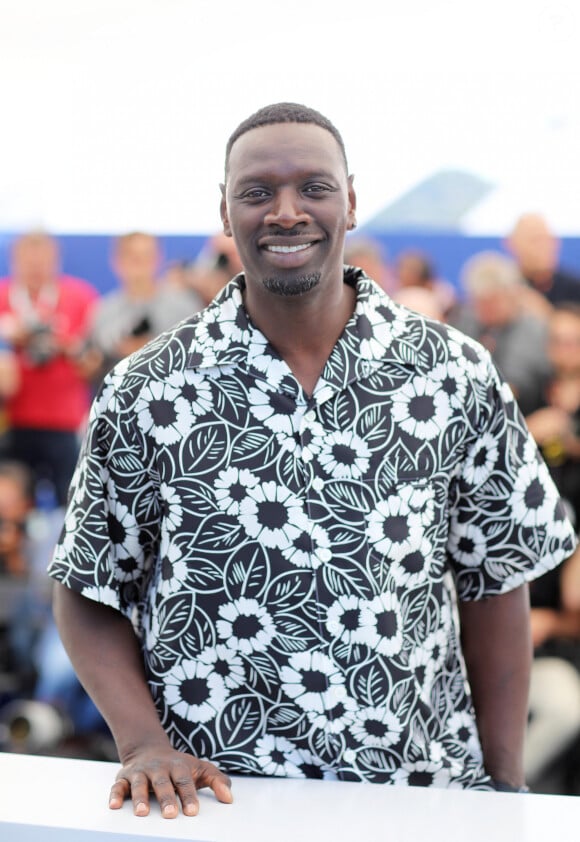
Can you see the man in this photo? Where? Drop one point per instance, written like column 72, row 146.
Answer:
column 536, row 250
column 143, row 307
column 415, row 270
column 276, row 496
column 494, row 314
column 44, row 317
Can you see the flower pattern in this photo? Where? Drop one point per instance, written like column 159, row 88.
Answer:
column 194, row 691
column 291, row 562
column 245, row 625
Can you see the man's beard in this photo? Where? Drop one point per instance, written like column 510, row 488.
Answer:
column 293, row 286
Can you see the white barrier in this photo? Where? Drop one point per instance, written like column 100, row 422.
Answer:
column 45, row 799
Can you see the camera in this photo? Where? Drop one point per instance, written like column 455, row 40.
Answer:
column 142, row 328
column 40, row 346
column 222, row 261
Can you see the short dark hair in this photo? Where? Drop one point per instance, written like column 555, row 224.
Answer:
column 284, row 112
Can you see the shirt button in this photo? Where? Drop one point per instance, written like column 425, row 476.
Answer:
column 336, row 692
column 317, row 484
column 309, row 416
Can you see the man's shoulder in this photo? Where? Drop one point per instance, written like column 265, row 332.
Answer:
column 169, row 351
column 205, row 340
column 412, row 325
column 172, row 304
column 529, row 324
column 394, row 337
column 77, row 287
column 112, row 301
column 164, row 293
column 161, row 363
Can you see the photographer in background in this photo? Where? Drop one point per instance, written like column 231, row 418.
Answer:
column 44, row 318
column 142, row 307
column 214, row 267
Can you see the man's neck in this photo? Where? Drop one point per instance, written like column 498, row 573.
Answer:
column 141, row 289
column 305, row 329
column 541, row 280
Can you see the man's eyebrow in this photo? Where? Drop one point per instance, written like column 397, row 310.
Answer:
column 261, row 177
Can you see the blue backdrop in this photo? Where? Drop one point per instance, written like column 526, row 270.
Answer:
column 87, row 256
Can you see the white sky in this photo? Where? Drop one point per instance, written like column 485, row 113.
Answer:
column 116, row 112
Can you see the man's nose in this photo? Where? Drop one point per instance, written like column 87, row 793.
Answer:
column 287, row 210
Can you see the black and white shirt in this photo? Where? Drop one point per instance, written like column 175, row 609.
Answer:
column 291, row 562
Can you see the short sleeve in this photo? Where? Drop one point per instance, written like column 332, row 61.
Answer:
column 508, row 524
column 111, row 527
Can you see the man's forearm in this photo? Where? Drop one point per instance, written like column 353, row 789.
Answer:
column 498, row 653
column 104, row 651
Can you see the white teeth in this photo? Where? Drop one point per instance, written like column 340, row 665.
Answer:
column 288, row 249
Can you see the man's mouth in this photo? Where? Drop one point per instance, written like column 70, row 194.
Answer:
column 288, row 249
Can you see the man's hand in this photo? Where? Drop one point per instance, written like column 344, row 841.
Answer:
column 104, row 650
column 173, row 777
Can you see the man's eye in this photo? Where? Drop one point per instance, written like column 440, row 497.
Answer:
column 255, row 193
column 316, row 188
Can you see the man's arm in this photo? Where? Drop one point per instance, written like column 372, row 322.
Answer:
column 105, row 653
column 498, row 654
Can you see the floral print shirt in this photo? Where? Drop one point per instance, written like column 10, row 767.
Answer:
column 291, row 563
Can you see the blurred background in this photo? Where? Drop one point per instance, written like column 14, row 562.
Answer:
column 457, row 116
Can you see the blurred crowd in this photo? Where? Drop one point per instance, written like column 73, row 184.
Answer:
column 58, row 338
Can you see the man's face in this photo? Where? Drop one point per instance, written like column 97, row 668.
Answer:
column 137, row 260
column 14, row 509
column 288, row 203
column 35, row 261
column 564, row 342
column 496, row 308
column 534, row 247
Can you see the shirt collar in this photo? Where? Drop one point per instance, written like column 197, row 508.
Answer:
column 225, row 337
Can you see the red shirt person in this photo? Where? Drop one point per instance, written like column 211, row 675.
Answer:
column 45, row 316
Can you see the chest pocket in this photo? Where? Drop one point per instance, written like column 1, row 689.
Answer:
column 385, row 520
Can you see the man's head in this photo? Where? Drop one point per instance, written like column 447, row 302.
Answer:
column 369, row 255
column 564, row 340
column 35, row 260
column 136, row 259
column 288, row 199
column 16, row 499
column 414, row 269
column 283, row 112
column 535, row 248
column 493, row 288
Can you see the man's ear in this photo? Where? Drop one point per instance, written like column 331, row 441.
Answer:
column 351, row 217
column 224, row 212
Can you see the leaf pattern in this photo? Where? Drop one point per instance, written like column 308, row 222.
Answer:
column 290, row 562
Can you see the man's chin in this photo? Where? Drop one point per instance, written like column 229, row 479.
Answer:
column 291, row 287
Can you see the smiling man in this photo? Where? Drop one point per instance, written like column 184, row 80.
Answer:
column 298, row 515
